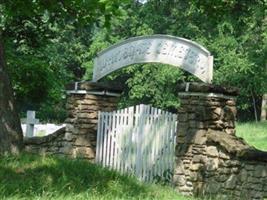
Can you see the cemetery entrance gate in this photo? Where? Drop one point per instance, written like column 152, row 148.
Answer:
column 138, row 140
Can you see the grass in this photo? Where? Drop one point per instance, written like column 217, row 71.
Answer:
column 46, row 177
column 254, row 133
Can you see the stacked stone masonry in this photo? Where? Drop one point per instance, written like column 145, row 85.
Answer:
column 81, row 124
column 210, row 160
column 50, row 144
column 78, row 139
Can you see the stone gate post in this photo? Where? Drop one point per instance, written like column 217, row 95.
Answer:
column 84, row 101
column 210, row 159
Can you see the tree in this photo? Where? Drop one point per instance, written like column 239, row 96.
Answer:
column 15, row 18
column 233, row 31
column 47, row 65
column 264, row 108
column 264, row 105
column 10, row 129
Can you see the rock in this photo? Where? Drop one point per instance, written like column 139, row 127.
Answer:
column 223, row 155
column 253, row 180
column 83, row 152
column 200, row 137
column 260, row 171
column 66, row 149
column 231, row 182
column 212, row 151
column 179, row 169
column 68, row 136
column 195, row 167
column 243, row 175
column 230, row 102
column 83, row 140
column 212, row 164
column 179, row 180
column 192, row 116
column 87, row 115
column 199, row 159
column 182, row 117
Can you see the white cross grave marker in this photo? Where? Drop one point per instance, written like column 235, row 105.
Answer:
column 30, row 123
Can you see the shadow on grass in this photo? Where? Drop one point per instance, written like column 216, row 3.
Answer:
column 29, row 176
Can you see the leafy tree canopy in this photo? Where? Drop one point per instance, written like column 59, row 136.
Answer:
column 234, row 31
column 46, row 44
column 49, row 43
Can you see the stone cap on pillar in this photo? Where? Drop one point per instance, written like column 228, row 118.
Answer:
column 205, row 89
column 88, row 87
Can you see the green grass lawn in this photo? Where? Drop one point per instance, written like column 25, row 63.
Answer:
column 38, row 177
column 254, row 133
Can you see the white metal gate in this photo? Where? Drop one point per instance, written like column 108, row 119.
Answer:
column 137, row 140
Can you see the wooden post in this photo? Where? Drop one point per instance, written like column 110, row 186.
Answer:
column 30, row 123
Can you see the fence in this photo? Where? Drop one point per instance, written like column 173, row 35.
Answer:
column 137, row 140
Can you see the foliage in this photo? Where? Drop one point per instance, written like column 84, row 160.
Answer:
column 39, row 177
column 39, row 82
column 48, row 45
column 152, row 84
column 45, row 44
column 234, row 31
column 254, row 133
column 52, row 112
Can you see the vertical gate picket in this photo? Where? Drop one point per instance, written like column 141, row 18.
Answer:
column 108, row 137
column 153, row 130
column 119, row 143
column 101, row 133
column 98, row 140
column 143, row 143
column 130, row 130
column 112, row 139
column 175, row 124
column 147, row 140
column 129, row 141
column 105, row 119
column 138, row 141
column 170, row 138
column 166, row 147
column 124, row 141
column 156, row 142
column 160, row 143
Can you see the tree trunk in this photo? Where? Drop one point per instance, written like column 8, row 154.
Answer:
column 264, row 102
column 11, row 138
column 264, row 107
column 254, row 106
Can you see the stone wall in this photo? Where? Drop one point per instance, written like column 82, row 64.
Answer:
column 50, row 144
column 84, row 101
column 210, row 159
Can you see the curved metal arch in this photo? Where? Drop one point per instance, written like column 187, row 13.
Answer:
column 165, row 49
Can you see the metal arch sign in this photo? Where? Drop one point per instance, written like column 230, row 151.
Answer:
column 175, row 51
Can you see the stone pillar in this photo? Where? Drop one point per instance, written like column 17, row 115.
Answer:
column 210, row 159
column 203, row 108
column 84, row 101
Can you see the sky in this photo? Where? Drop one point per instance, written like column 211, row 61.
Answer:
column 142, row 1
